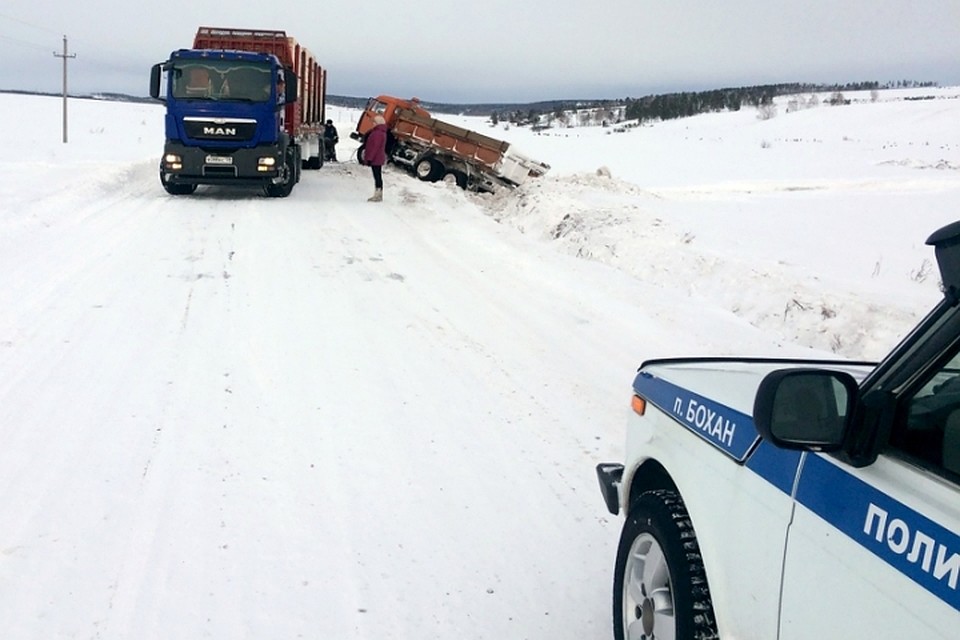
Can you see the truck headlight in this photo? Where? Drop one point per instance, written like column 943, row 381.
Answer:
column 267, row 163
column 173, row 162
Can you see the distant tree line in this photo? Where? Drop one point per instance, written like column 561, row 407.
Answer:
column 653, row 107
column 679, row 105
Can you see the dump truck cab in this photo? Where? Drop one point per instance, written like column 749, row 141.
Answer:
column 388, row 107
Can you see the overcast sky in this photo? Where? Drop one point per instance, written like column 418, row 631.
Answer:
column 503, row 50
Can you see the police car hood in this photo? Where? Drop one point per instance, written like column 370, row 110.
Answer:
column 733, row 382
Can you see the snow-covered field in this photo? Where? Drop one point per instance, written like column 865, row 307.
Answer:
column 231, row 416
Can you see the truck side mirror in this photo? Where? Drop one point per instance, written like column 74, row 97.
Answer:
column 806, row 409
column 155, row 74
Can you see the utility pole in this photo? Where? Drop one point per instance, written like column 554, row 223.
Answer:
column 65, row 56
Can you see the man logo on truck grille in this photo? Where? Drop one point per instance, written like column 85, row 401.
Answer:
column 234, row 129
column 219, row 131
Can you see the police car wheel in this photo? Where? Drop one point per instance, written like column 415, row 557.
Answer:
column 660, row 587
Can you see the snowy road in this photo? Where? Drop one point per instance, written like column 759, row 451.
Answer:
column 232, row 416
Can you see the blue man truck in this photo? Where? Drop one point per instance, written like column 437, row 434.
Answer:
column 244, row 107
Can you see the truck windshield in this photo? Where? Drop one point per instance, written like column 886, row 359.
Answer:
column 377, row 107
column 221, row 80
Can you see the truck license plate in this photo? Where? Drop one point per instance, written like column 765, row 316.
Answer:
column 219, row 159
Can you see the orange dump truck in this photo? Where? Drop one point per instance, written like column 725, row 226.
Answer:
column 434, row 150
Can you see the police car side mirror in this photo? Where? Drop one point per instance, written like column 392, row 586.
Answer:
column 806, row 409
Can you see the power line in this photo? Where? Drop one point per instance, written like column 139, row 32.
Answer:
column 32, row 45
column 81, row 40
column 27, row 24
column 30, row 36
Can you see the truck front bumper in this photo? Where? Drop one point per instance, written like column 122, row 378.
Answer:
column 194, row 165
column 610, row 475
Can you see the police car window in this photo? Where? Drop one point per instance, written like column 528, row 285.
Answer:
column 930, row 434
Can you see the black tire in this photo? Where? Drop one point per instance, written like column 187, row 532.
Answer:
column 178, row 189
column 316, row 162
column 291, row 176
column 660, row 587
column 428, row 170
column 360, row 155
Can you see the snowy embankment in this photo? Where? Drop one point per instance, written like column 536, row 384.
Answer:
column 809, row 224
column 231, row 416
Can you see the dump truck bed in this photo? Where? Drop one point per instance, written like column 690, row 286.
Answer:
column 463, row 142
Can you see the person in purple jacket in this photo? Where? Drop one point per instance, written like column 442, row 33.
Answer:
column 375, row 155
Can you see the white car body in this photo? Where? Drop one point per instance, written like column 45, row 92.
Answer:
column 792, row 499
column 789, row 538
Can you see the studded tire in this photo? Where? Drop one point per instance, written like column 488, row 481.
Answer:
column 660, row 589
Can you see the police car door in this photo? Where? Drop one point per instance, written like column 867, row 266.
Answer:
column 874, row 552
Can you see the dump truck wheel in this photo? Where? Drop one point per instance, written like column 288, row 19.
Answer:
column 456, row 177
column 429, row 170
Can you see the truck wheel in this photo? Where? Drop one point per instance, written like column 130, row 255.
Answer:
column 360, row 155
column 178, row 189
column 283, row 189
column 660, row 587
column 314, row 163
column 456, row 177
column 429, row 170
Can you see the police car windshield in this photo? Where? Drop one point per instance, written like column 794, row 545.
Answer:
column 222, row 80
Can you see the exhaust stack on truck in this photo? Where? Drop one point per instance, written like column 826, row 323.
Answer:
column 244, row 107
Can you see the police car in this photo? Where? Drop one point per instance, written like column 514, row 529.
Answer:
column 773, row 498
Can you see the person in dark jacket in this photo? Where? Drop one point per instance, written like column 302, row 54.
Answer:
column 330, row 139
column 375, row 155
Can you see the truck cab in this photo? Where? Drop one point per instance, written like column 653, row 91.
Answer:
column 244, row 107
column 224, row 121
column 389, row 107
column 775, row 498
